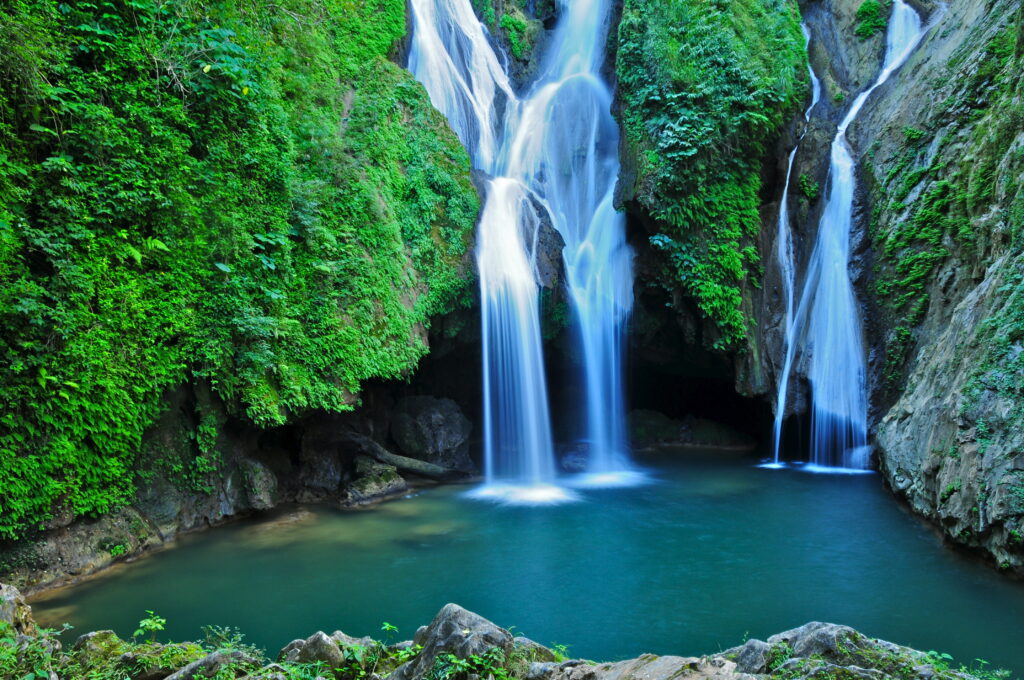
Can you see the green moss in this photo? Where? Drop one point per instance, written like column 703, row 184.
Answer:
column 872, row 18
column 941, row 193
column 515, row 26
column 248, row 195
column 705, row 89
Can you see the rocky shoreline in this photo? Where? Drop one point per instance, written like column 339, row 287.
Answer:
column 334, row 462
column 456, row 645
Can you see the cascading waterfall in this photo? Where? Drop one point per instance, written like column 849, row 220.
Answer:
column 554, row 151
column 564, row 146
column 787, row 260
column 834, row 337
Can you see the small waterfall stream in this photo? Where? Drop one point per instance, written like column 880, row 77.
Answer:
column 552, row 155
column 787, row 263
column 833, row 335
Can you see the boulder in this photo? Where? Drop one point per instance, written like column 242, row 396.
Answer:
column 210, row 665
column 453, row 631
column 98, row 648
column 534, row 651
column 434, row 430
column 14, row 611
column 374, row 480
column 260, row 484
column 753, row 656
column 317, row 647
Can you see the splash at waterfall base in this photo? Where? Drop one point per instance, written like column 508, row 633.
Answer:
column 552, row 154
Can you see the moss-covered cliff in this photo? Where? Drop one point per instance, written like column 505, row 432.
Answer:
column 943, row 159
column 248, row 195
column 705, row 89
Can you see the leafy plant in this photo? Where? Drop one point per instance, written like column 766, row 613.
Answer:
column 808, row 188
column 151, row 625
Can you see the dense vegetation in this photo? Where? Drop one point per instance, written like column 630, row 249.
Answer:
column 705, row 87
column 872, row 18
column 246, row 194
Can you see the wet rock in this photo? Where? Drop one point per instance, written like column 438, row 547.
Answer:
column 14, row 611
column 455, row 631
column 317, row 647
column 211, row 664
column 547, row 248
column 260, row 485
column 374, row 480
column 433, row 430
column 534, row 651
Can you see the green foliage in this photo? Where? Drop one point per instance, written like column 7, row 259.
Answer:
column 778, row 654
column 490, row 664
column 979, row 668
column 808, row 188
column 872, row 18
column 515, row 28
column 705, row 88
column 151, row 624
column 244, row 194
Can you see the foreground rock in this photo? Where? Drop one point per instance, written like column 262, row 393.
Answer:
column 456, row 645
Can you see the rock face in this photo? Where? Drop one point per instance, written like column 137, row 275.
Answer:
column 434, row 430
column 249, row 478
column 650, row 429
column 14, row 611
column 940, row 153
column 453, row 631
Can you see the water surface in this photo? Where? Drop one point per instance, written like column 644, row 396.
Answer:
column 713, row 552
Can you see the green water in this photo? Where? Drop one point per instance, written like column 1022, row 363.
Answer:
column 708, row 555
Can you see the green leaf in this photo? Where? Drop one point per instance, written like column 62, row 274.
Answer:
column 39, row 128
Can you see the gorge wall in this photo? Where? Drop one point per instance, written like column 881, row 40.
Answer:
column 222, row 228
column 937, row 259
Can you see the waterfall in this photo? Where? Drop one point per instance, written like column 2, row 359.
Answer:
column 552, row 154
column 564, row 146
column 837, row 371
column 787, row 259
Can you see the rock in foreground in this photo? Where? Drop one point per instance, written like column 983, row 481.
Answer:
column 456, row 645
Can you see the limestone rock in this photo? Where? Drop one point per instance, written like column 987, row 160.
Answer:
column 374, row 480
column 646, row 667
column 434, row 430
column 457, row 631
column 317, row 647
column 260, row 484
column 209, row 665
column 534, row 651
column 14, row 611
